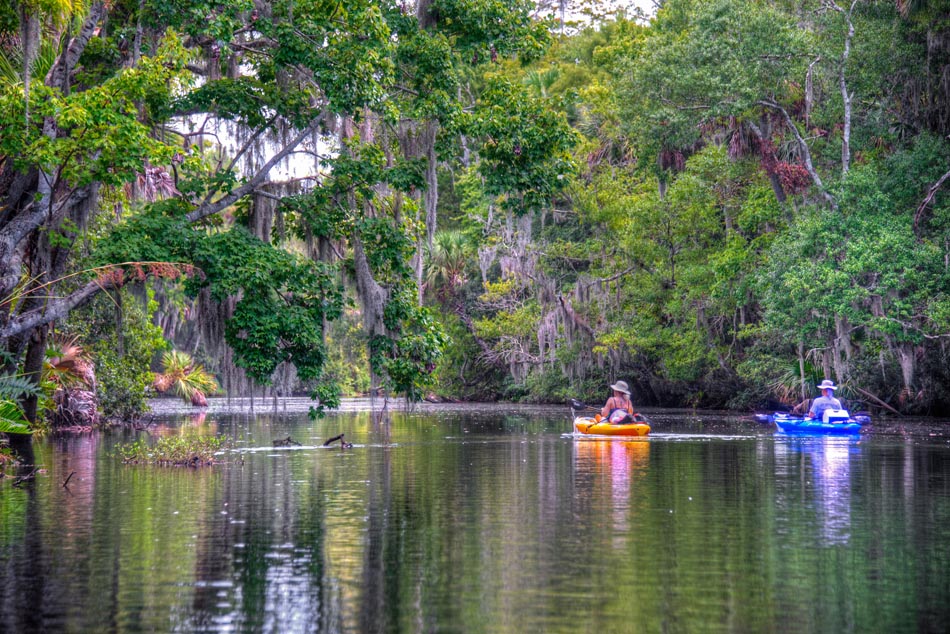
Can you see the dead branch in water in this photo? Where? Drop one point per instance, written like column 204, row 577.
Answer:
column 878, row 401
column 343, row 443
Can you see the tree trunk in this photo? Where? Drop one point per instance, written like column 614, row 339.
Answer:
column 424, row 13
column 119, row 325
column 33, row 368
column 843, row 87
column 30, row 41
column 907, row 358
column 842, row 348
column 801, row 369
column 826, row 361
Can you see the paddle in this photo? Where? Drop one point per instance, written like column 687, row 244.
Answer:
column 577, row 405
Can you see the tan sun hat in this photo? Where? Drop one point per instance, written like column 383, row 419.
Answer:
column 621, row 386
column 827, row 385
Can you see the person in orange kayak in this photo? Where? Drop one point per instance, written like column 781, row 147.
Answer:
column 618, row 409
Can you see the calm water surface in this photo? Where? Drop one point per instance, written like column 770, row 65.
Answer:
column 483, row 519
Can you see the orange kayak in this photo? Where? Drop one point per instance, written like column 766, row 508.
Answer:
column 587, row 425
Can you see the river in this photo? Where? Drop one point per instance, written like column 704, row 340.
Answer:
column 482, row 518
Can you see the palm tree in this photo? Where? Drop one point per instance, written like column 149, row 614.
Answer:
column 185, row 378
column 67, row 366
column 540, row 82
column 448, row 258
column 35, row 16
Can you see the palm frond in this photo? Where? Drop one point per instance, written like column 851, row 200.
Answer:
column 184, row 377
column 67, row 364
column 11, row 62
column 12, row 419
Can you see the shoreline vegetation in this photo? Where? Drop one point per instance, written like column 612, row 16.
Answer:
column 722, row 204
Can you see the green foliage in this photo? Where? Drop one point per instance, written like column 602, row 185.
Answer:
column 172, row 451
column 526, row 152
column 446, row 265
column 347, row 365
column 102, row 139
column 408, row 354
column 184, row 377
column 346, row 45
column 704, row 284
column 9, row 22
column 122, row 341
column 674, row 236
column 12, row 418
column 460, row 372
column 486, row 29
column 548, row 386
column 380, row 78
column 327, row 395
column 213, row 19
column 13, row 387
column 284, row 298
column 708, row 60
column 99, row 61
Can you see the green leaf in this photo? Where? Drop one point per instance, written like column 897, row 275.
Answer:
column 12, row 419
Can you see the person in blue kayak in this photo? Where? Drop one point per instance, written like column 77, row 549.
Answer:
column 827, row 400
column 618, row 409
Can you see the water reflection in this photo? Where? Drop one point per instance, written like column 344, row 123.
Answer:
column 481, row 519
column 822, row 466
column 610, row 470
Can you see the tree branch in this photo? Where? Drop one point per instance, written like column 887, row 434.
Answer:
column 53, row 309
column 58, row 75
column 806, row 153
column 208, row 209
column 254, row 137
column 32, row 216
column 607, row 280
column 931, row 192
column 877, row 400
column 580, row 323
column 914, row 328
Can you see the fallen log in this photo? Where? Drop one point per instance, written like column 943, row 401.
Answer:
column 343, row 443
column 878, row 401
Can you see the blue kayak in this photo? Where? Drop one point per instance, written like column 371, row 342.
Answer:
column 799, row 424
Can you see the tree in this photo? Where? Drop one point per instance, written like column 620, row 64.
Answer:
column 371, row 92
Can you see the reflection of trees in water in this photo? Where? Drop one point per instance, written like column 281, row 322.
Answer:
column 260, row 558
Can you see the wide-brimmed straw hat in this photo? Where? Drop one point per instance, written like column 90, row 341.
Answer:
column 621, row 386
column 827, row 385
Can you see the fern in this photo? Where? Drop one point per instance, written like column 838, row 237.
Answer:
column 13, row 387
